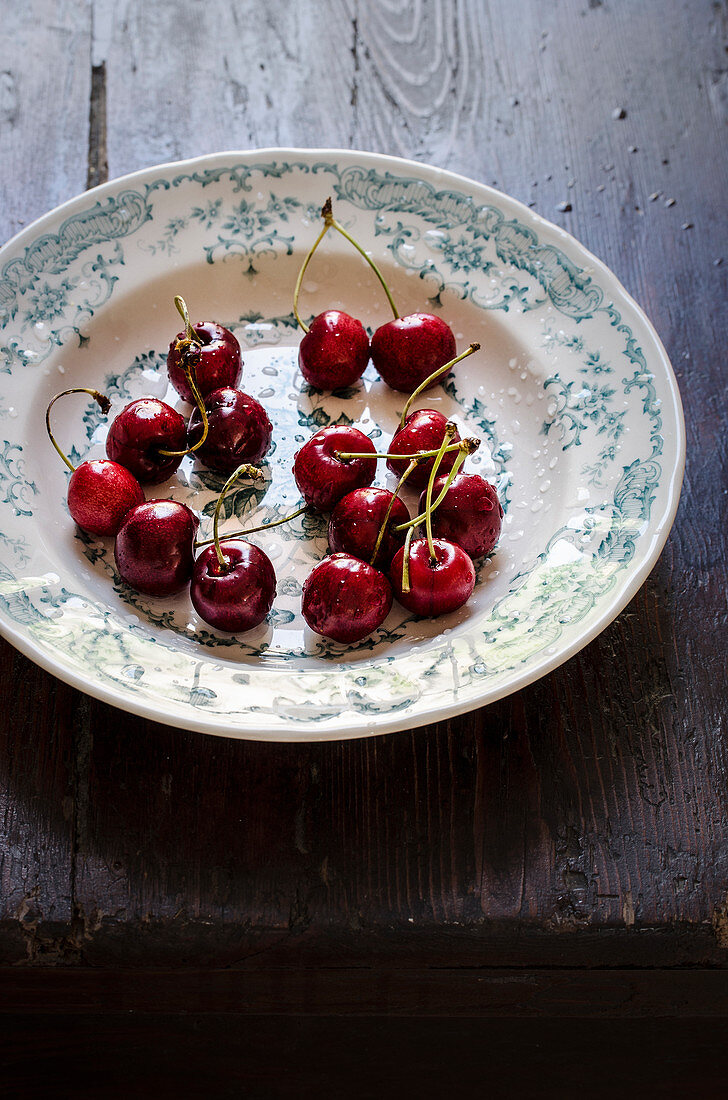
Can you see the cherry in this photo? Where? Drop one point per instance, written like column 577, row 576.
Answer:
column 100, row 492
column 142, row 433
column 239, row 430
column 233, row 588
column 356, row 522
column 345, row 599
column 334, row 351
column 407, row 350
column 469, row 514
column 423, row 430
column 209, row 349
column 237, row 594
column 436, row 585
column 322, row 477
column 154, row 547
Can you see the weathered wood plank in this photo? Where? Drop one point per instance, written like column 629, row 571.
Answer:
column 44, row 118
column 44, row 94
column 582, row 820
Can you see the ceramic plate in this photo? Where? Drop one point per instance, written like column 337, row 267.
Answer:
column 572, row 396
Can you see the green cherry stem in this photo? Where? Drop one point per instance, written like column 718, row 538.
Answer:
column 330, row 220
column 306, row 262
column 419, row 456
column 433, row 377
column 413, row 464
column 181, row 305
column 450, row 478
column 190, row 355
column 252, row 530
column 449, row 432
column 100, row 400
column 249, row 471
column 405, row 560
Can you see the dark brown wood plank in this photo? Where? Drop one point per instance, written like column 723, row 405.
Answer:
column 263, row 1056
column 365, row 991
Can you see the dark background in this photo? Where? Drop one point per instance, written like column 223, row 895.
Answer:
column 535, row 893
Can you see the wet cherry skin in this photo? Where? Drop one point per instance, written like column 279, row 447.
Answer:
column 323, row 478
column 409, row 349
column 217, row 363
column 345, row 599
column 356, row 520
column 238, row 597
column 100, row 493
column 154, row 547
column 424, row 430
column 138, row 433
column 238, row 430
column 334, row 352
column 435, row 587
column 470, row 514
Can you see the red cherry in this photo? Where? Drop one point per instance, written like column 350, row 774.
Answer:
column 423, row 430
column 357, row 519
column 154, row 547
column 409, row 349
column 140, row 432
column 436, row 587
column 345, row 599
column 469, row 514
column 100, row 493
column 239, row 430
column 334, row 352
column 236, row 597
column 322, row 477
column 216, row 363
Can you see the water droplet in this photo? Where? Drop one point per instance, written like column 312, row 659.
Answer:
column 553, row 462
column 270, row 371
column 544, row 486
column 537, row 506
column 268, row 392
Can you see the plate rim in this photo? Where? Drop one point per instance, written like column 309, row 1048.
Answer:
column 616, row 602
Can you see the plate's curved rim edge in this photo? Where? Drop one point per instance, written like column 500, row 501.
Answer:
column 620, row 598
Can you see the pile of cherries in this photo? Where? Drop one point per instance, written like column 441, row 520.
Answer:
column 374, row 554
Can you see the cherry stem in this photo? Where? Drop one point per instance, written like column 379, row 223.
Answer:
column 302, row 272
column 249, row 471
column 405, row 560
column 181, row 305
column 203, row 414
column 413, row 464
column 435, row 375
column 330, row 220
column 100, row 399
column 450, row 430
column 441, row 496
column 190, row 357
column 419, row 456
column 252, row 530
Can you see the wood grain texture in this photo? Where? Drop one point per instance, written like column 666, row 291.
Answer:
column 579, row 822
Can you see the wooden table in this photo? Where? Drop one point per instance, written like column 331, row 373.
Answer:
column 457, row 891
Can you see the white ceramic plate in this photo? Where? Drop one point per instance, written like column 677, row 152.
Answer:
column 572, row 395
